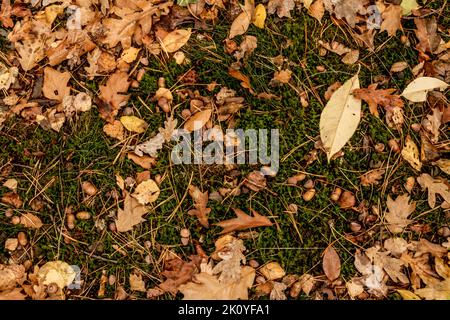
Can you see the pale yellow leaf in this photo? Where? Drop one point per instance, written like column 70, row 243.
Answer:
column 146, row 192
column 173, row 41
column 134, row 124
column 340, row 118
column 417, row 90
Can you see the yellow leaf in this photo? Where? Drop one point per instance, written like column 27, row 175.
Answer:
column 408, row 295
column 57, row 272
column 146, row 192
column 175, row 40
column 340, row 117
column 130, row 54
column 410, row 153
column 417, row 90
column 134, row 124
column 260, row 16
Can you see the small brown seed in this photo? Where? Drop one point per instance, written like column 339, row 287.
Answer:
column 260, row 279
column 296, row 179
column 161, row 82
column 83, row 215
column 70, row 221
column 309, row 184
column 134, row 84
column 336, row 194
column 292, row 207
column 89, row 188
column 347, row 200
column 185, row 233
column 416, row 127
column 111, row 280
column 355, row 226
column 112, row 226
column 22, row 237
column 15, row 220
column 184, row 241
column 140, row 74
column 9, row 213
column 393, row 144
column 444, row 232
column 253, row 263
column 309, row 194
column 379, row 147
column 158, row 179
column 320, row 68
column 144, row 61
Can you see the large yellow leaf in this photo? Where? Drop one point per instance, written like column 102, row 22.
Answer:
column 340, row 117
column 175, row 40
column 417, row 90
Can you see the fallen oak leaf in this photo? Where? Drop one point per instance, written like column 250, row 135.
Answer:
column 200, row 203
column 282, row 7
column 378, row 97
column 392, row 20
column 435, row 186
column 245, row 80
column 111, row 94
column 243, row 221
column 371, row 177
column 399, row 211
column 130, row 215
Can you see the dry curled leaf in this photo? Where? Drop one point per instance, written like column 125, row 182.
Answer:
column 134, row 124
column 56, row 272
column 201, row 210
column 372, row 177
column 417, row 90
column 376, row 97
column 198, row 120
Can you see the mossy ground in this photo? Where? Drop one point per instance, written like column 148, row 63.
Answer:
column 81, row 151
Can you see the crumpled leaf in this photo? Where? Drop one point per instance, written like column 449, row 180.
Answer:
column 114, row 130
column 7, row 76
column 340, row 117
column 434, row 186
column 372, row 177
column 417, row 90
column 283, row 8
column 208, row 287
column 426, row 32
column 244, row 221
column 10, row 276
column 378, row 97
column 392, row 20
column 410, row 153
column 151, row 146
column 136, row 283
column 200, row 203
column 230, row 267
column 399, row 211
column 57, row 272
column 131, row 214
column 272, row 271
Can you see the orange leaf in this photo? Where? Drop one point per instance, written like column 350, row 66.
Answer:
column 244, row 221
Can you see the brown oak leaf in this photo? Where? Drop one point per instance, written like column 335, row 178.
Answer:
column 378, row 97
column 244, row 221
column 111, row 94
column 200, row 203
column 434, row 186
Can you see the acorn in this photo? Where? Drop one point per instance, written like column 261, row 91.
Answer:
column 83, row 215
column 140, row 74
column 112, row 226
column 309, row 184
column 15, row 220
column 89, row 188
column 393, row 144
column 355, row 226
column 336, row 194
column 409, row 184
column 185, row 233
column 70, row 221
column 309, row 194
column 379, row 147
column 22, row 238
